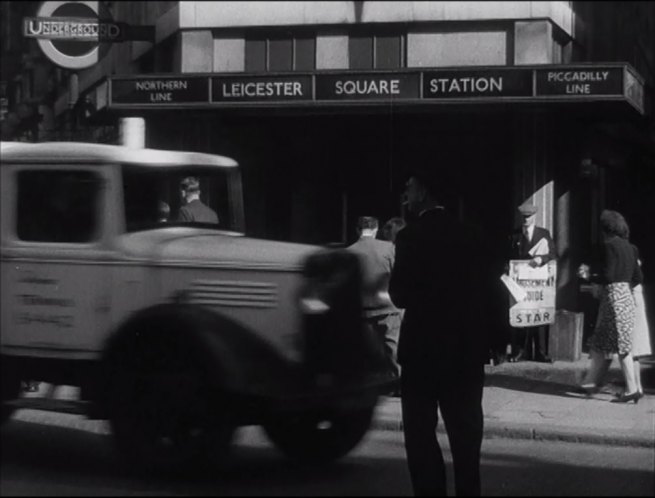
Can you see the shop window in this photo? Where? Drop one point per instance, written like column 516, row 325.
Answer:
column 388, row 51
column 305, row 53
column 360, row 51
column 381, row 51
column 256, row 55
column 280, row 53
column 57, row 206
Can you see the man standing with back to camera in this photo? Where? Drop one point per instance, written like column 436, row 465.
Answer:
column 194, row 210
column 441, row 277
column 382, row 316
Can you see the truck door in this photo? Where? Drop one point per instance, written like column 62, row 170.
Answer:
column 55, row 277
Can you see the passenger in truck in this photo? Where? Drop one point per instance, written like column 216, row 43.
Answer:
column 163, row 212
column 194, row 210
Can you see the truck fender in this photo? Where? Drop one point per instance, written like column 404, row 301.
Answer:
column 232, row 357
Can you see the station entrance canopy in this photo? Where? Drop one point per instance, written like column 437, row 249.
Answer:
column 617, row 82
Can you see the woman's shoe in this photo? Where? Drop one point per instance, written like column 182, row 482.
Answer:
column 587, row 390
column 626, row 398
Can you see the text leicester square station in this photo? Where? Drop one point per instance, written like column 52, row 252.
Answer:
column 609, row 82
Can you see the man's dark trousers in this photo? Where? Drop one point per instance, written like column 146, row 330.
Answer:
column 459, row 396
column 531, row 341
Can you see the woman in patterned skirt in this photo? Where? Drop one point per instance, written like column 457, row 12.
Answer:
column 641, row 346
column 618, row 274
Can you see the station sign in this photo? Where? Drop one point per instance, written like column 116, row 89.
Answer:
column 63, row 31
column 76, row 35
column 367, row 86
column 537, row 290
column 592, row 80
column 261, row 88
column 160, row 90
column 561, row 83
column 477, row 84
column 72, row 28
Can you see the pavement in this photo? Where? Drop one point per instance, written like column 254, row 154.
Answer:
column 530, row 400
column 526, row 400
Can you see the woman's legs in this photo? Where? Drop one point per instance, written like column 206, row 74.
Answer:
column 637, row 368
column 597, row 369
column 628, row 367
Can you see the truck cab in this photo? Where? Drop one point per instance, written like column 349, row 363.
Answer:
column 176, row 331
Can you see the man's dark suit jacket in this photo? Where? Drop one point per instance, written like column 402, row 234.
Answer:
column 198, row 212
column 442, row 277
column 521, row 245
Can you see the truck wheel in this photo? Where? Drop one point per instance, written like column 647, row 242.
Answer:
column 168, row 423
column 164, row 414
column 320, row 437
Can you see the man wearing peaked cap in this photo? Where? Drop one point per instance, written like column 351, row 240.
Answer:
column 530, row 236
column 527, row 209
column 524, row 246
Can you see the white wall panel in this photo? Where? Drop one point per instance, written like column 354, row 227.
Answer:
column 332, row 51
column 229, row 54
column 258, row 13
column 197, row 51
column 234, row 14
column 559, row 12
column 456, row 49
column 533, row 42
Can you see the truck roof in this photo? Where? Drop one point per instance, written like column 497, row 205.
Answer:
column 81, row 152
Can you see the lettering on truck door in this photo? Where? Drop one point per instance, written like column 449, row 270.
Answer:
column 58, row 281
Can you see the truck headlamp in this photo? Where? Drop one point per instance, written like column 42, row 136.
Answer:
column 313, row 306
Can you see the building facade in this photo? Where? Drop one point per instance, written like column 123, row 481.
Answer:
column 328, row 106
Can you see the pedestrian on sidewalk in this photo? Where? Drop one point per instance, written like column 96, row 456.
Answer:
column 391, row 228
column 535, row 244
column 614, row 330
column 641, row 346
column 377, row 260
column 437, row 278
column 163, row 212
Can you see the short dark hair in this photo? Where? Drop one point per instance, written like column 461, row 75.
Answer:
column 190, row 184
column 392, row 227
column 396, row 221
column 613, row 223
column 367, row 223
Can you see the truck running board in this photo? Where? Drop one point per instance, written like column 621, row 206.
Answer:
column 74, row 407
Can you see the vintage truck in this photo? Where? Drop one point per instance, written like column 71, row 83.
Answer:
column 176, row 332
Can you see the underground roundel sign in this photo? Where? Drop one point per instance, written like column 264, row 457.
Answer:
column 73, row 35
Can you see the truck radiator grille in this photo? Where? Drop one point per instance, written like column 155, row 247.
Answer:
column 232, row 294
